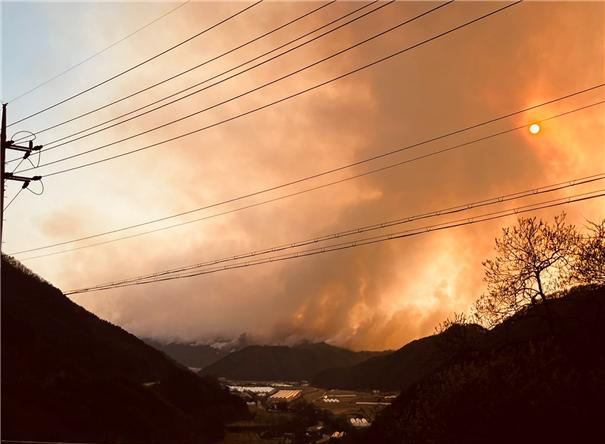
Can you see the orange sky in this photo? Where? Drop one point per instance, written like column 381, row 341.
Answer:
column 373, row 297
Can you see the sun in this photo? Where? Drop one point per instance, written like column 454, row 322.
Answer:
column 534, row 128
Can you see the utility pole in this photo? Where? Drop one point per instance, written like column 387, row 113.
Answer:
column 2, row 161
column 9, row 144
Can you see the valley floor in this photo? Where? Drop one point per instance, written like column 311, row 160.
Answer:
column 315, row 415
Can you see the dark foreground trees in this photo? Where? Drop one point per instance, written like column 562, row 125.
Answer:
column 535, row 260
column 588, row 265
column 521, row 380
column 521, row 385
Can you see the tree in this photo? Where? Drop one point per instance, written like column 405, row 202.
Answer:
column 531, row 261
column 589, row 262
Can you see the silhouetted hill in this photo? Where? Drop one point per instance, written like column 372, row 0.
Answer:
column 400, row 369
column 525, row 383
column 271, row 362
column 191, row 355
column 69, row 376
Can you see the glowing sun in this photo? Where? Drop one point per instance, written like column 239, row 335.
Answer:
column 534, row 128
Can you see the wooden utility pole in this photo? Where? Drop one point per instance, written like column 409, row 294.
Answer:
column 9, row 144
column 2, row 164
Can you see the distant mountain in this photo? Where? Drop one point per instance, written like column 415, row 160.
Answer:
column 283, row 363
column 400, row 369
column 539, row 377
column 191, row 355
column 69, row 376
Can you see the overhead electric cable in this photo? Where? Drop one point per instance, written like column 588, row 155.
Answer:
column 50, row 145
column 261, row 107
column 62, row 73
column 382, row 225
column 205, row 62
column 121, row 73
column 317, row 175
column 14, row 197
column 364, row 241
column 223, row 102
column 583, row 180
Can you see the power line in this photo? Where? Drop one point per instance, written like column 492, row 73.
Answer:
column 207, row 80
column 115, row 76
column 62, row 73
column 588, row 179
column 359, row 242
column 205, row 62
column 14, row 197
column 27, row 137
column 263, row 106
column 297, row 71
column 383, row 225
column 325, row 185
column 6, row 145
column 214, row 77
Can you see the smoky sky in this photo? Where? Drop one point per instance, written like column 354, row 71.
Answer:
column 371, row 297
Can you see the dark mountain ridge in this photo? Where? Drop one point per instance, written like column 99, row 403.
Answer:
column 400, row 369
column 422, row 357
column 191, row 355
column 69, row 376
column 537, row 377
column 284, row 363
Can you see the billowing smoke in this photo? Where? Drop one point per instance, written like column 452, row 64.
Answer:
column 371, row 297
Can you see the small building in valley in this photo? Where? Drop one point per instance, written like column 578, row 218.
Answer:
column 283, row 397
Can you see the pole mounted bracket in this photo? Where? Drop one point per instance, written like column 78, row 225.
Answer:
column 10, row 145
column 11, row 176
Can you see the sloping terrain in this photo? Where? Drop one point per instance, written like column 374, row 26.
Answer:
column 190, row 355
column 69, row 376
column 539, row 377
column 397, row 370
column 269, row 362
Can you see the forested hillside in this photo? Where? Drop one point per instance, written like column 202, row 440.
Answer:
column 72, row 377
column 527, row 383
column 300, row 362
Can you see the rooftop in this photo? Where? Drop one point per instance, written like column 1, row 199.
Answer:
column 285, row 395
